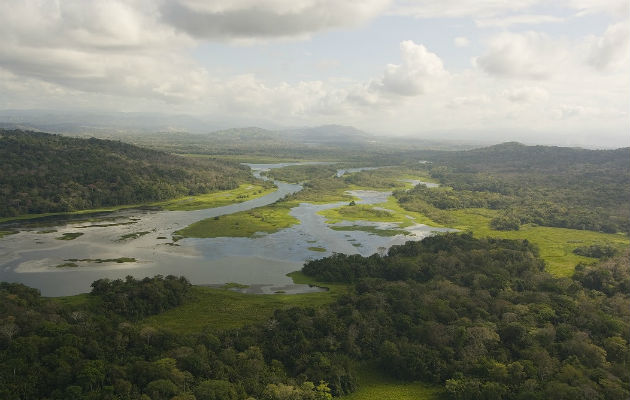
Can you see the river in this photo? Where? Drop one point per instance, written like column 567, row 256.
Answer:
column 30, row 256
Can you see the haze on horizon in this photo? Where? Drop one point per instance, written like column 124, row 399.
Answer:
column 529, row 70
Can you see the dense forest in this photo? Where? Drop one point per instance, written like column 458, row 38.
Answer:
column 542, row 185
column 479, row 317
column 42, row 173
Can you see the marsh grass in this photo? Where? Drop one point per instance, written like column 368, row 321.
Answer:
column 266, row 219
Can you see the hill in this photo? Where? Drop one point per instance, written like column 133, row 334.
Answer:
column 43, row 173
column 543, row 185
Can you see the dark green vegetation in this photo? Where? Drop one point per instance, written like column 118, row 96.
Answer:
column 70, row 236
column 43, row 173
column 480, row 318
column 541, row 185
column 133, row 235
column 73, row 261
column 371, row 229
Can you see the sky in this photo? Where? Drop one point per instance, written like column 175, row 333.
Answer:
column 538, row 71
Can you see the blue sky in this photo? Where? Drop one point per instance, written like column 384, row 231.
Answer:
column 529, row 70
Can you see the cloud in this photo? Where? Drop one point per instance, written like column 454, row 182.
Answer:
column 610, row 50
column 615, row 8
column 256, row 20
column 459, row 8
column 461, row 41
column 417, row 72
column 115, row 47
column 488, row 9
column 530, row 55
column 524, row 19
column 526, row 94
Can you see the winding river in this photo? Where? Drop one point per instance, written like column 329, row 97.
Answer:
column 31, row 255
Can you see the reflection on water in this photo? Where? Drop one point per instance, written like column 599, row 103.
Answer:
column 30, row 256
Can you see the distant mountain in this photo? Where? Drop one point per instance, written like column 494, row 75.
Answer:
column 102, row 122
column 43, row 173
column 330, row 134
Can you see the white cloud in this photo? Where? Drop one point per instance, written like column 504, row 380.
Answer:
column 615, row 8
column 523, row 19
column 610, row 50
column 256, row 20
column 461, row 41
column 415, row 75
column 488, row 9
column 526, row 94
column 459, row 8
column 531, row 55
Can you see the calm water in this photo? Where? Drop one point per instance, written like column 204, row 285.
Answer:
column 29, row 257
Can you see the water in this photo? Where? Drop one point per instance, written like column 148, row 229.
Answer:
column 29, row 257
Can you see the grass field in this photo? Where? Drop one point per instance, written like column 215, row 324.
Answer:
column 220, row 309
column 373, row 385
column 267, row 219
column 556, row 244
column 394, row 213
column 371, row 229
column 244, row 192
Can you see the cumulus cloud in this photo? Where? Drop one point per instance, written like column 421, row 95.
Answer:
column 488, row 9
column 461, row 41
column 610, row 50
column 531, row 55
column 524, row 19
column 106, row 46
column 459, row 8
column 418, row 70
column 526, row 94
column 254, row 20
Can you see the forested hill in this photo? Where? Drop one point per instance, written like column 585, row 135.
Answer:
column 41, row 173
column 517, row 156
column 543, row 185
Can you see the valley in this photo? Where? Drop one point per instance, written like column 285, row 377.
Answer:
column 331, row 249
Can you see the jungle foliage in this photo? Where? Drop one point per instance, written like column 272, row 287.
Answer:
column 542, row 185
column 479, row 317
column 42, row 173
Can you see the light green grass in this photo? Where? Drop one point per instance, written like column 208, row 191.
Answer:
column 7, row 233
column 319, row 249
column 220, row 309
column 244, row 192
column 371, row 229
column 364, row 212
column 373, row 385
column 556, row 245
column 358, row 212
column 266, row 219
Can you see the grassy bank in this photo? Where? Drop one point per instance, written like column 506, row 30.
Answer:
column 220, row 309
column 244, row 192
column 373, row 385
column 556, row 244
column 266, row 219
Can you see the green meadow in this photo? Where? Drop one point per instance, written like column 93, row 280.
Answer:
column 220, row 309
column 266, row 219
column 375, row 386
